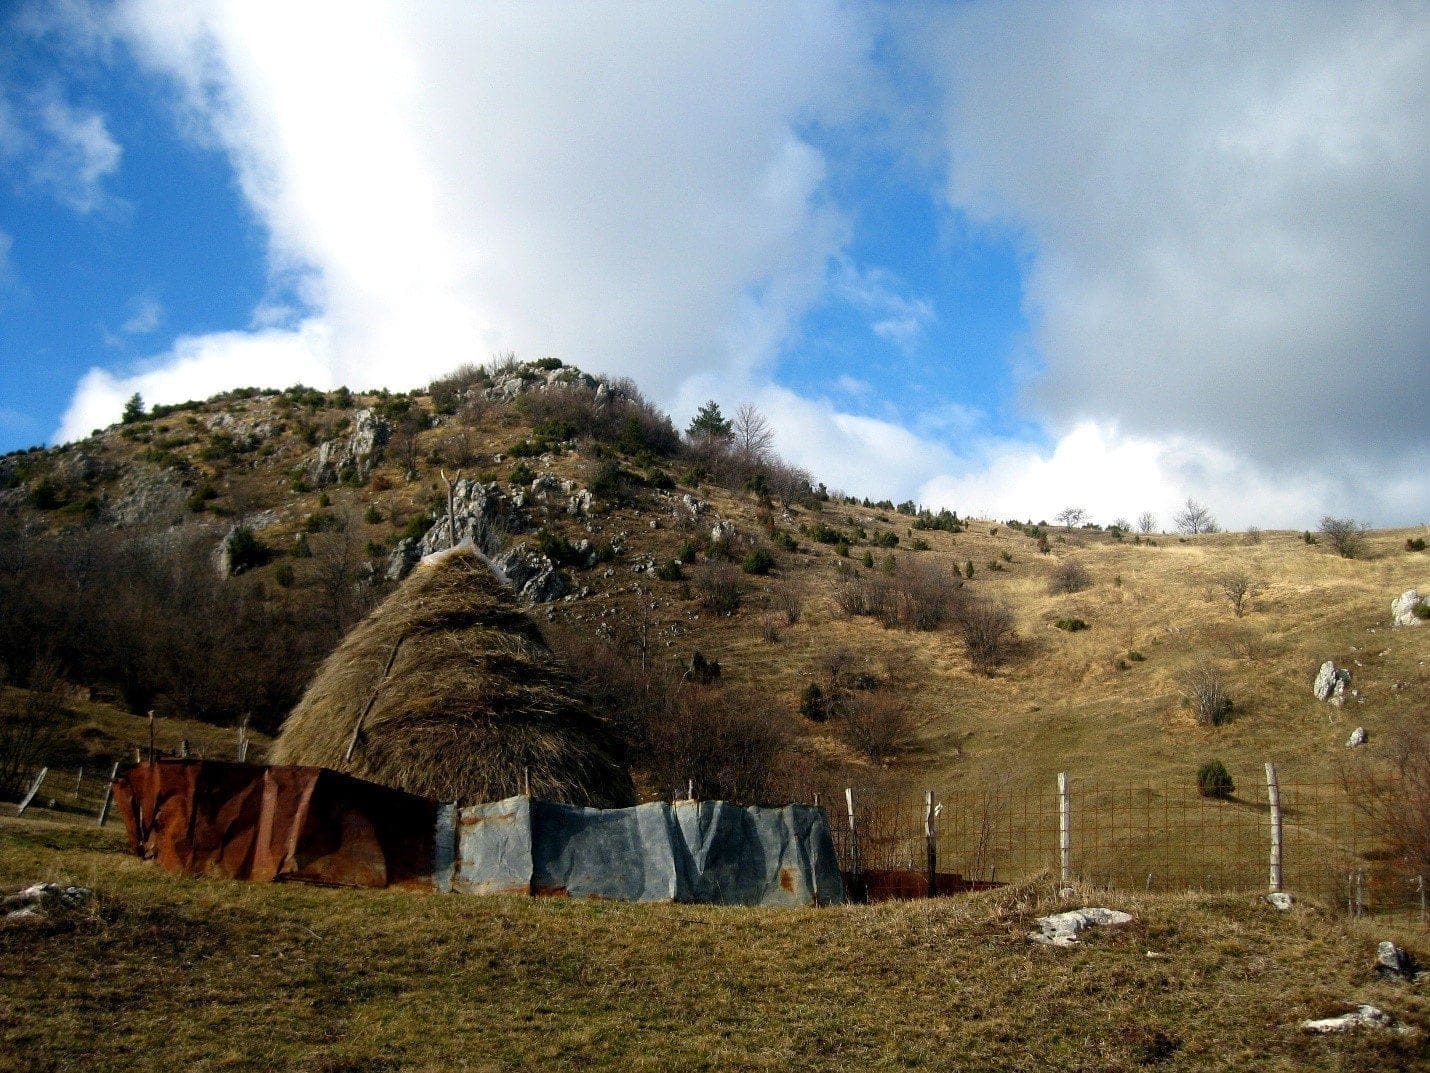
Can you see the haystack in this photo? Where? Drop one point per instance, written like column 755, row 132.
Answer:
column 448, row 690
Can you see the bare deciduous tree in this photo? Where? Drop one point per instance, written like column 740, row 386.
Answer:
column 1070, row 516
column 1146, row 522
column 752, row 434
column 1194, row 518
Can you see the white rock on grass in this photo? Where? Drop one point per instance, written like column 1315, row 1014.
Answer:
column 1281, row 900
column 1393, row 963
column 1402, row 609
column 1331, row 683
column 1361, row 1017
column 1357, row 738
column 1063, row 929
column 41, row 900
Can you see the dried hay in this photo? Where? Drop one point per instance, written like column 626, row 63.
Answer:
column 473, row 704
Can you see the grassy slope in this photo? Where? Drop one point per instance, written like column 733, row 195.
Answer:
column 211, row 975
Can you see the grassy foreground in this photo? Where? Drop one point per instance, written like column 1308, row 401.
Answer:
column 208, row 975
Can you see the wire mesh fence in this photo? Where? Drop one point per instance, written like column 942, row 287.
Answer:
column 1155, row 838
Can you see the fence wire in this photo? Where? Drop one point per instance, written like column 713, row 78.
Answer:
column 1155, row 838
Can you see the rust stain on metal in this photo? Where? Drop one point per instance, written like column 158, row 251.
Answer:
column 250, row 821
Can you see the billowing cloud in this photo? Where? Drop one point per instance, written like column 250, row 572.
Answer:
column 629, row 192
column 59, row 148
column 1226, row 210
column 1222, row 210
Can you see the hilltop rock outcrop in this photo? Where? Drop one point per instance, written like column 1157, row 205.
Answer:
column 358, row 451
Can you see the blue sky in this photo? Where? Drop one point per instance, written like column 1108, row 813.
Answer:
column 1001, row 257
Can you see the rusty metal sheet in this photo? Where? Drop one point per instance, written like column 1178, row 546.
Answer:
column 249, row 821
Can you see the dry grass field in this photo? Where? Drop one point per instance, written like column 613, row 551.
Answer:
column 206, row 975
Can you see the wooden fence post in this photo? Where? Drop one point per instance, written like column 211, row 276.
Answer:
column 34, row 789
column 931, row 841
column 1273, row 795
column 1064, row 832
column 855, row 871
column 108, row 793
column 243, row 740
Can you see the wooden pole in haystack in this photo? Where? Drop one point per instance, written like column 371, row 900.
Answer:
column 451, row 506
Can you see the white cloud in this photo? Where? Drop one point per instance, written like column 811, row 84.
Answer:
column 861, row 456
column 630, row 193
column 1226, row 209
column 1112, row 474
column 147, row 315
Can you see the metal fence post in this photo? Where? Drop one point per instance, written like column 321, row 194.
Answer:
column 1273, row 794
column 931, row 841
column 1064, row 832
column 855, row 871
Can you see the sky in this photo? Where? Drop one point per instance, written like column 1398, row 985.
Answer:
column 1003, row 258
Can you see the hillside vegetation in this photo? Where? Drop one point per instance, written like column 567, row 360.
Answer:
column 939, row 648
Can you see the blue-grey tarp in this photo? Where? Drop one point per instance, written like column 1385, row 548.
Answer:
column 688, row 851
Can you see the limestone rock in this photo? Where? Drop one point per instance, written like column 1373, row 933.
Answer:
column 1331, row 683
column 1361, row 1017
column 1357, row 738
column 44, row 900
column 533, row 575
column 480, row 513
column 403, row 558
column 1281, row 900
column 1402, row 609
column 358, row 451
column 1063, row 929
column 1393, row 963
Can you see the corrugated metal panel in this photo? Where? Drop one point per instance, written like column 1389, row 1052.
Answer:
column 707, row 851
column 247, row 821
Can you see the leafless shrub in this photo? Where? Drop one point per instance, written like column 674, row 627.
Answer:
column 988, row 635
column 1346, row 535
column 1394, row 792
column 1146, row 522
column 1252, row 536
column 1069, row 576
column 787, row 598
column 719, row 587
column 917, row 595
column 876, row 725
column 1236, row 586
column 27, row 736
column 1204, row 689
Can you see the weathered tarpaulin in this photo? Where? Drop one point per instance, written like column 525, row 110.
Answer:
column 688, row 851
column 248, row 821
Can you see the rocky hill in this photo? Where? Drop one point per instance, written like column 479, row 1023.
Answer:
column 202, row 558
